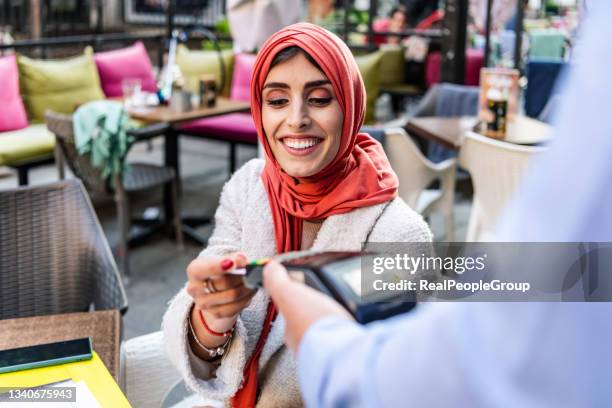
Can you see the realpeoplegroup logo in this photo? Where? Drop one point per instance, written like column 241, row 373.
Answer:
column 450, row 285
column 493, row 271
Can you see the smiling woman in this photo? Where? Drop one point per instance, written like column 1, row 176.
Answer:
column 301, row 115
column 322, row 186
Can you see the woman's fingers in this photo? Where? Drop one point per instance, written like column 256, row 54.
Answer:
column 217, row 284
column 230, row 309
column 204, row 268
column 241, row 259
column 229, row 296
column 214, row 289
column 208, row 267
column 227, row 286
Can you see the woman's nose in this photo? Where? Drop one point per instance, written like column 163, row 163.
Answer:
column 298, row 116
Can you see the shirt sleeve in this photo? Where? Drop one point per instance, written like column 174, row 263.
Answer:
column 461, row 355
column 380, row 369
column 499, row 354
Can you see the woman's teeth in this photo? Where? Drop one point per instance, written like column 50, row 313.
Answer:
column 301, row 143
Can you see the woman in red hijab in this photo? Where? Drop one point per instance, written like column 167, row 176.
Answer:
column 323, row 185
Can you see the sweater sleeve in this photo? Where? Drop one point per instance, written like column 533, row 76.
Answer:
column 200, row 375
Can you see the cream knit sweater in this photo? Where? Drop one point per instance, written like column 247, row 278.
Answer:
column 243, row 221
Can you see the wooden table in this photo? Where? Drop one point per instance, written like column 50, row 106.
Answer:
column 163, row 121
column 449, row 131
column 104, row 328
column 163, row 114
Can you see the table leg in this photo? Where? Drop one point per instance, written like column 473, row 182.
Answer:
column 171, row 159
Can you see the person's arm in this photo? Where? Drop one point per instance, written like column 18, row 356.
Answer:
column 199, row 374
column 215, row 313
column 441, row 354
column 340, row 362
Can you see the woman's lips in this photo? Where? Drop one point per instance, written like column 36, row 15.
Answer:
column 302, row 146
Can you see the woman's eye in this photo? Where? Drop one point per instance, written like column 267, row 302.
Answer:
column 277, row 102
column 320, row 101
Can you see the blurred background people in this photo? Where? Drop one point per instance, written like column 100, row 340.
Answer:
column 396, row 22
column 253, row 21
column 419, row 10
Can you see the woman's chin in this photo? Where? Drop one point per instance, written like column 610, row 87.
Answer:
column 302, row 171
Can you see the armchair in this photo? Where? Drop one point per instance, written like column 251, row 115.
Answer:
column 54, row 257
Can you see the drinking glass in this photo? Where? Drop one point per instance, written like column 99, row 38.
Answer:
column 131, row 88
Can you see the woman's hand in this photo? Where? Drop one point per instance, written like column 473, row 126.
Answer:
column 220, row 308
column 300, row 305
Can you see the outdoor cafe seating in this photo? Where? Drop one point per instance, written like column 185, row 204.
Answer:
column 73, row 250
column 136, row 178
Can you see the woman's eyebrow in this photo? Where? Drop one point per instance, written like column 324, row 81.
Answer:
column 276, row 85
column 314, row 84
column 311, row 84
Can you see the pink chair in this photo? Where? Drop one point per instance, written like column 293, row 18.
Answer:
column 474, row 60
column 234, row 128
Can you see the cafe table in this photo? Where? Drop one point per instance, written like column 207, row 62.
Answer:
column 450, row 131
column 104, row 328
column 163, row 121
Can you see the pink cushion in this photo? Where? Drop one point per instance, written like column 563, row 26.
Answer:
column 432, row 68
column 117, row 65
column 234, row 127
column 12, row 115
column 241, row 80
column 381, row 25
column 474, row 60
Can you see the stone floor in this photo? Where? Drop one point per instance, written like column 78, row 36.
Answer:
column 158, row 267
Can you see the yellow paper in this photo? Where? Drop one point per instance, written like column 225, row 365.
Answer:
column 93, row 372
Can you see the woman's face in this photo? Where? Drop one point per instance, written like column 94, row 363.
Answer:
column 397, row 21
column 301, row 117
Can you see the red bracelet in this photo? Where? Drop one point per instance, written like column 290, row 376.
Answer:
column 211, row 331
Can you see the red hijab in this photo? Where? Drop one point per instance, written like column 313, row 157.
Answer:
column 359, row 176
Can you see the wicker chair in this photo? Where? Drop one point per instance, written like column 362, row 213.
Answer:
column 140, row 177
column 54, row 257
column 496, row 168
column 415, row 172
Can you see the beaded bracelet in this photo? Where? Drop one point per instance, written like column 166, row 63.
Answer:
column 212, row 352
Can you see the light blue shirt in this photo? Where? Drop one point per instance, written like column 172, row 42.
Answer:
column 500, row 354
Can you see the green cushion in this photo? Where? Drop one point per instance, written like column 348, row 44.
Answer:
column 194, row 64
column 369, row 66
column 21, row 146
column 392, row 65
column 547, row 43
column 59, row 85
